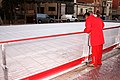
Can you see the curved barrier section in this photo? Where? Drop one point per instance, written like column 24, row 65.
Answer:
column 111, row 35
column 118, row 38
column 40, row 57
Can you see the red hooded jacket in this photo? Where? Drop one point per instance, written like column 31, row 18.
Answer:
column 94, row 26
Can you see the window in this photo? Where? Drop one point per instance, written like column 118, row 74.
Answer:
column 86, row 10
column 51, row 8
column 119, row 3
column 73, row 17
column 107, row 4
column 81, row 10
column 30, row 6
column 104, row 3
column 69, row 9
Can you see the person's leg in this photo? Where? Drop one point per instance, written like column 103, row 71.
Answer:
column 99, row 56
column 94, row 55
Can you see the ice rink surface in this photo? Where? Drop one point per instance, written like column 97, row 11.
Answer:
column 35, row 30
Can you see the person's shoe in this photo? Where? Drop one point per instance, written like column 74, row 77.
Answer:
column 90, row 65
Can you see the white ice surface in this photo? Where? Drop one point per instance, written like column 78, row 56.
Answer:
column 35, row 30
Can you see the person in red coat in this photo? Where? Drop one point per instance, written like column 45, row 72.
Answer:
column 94, row 26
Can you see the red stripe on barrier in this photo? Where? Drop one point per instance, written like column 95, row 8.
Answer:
column 56, row 70
column 110, row 48
column 61, row 68
column 41, row 37
column 111, row 28
column 50, row 36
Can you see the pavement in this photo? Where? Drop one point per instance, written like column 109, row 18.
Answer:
column 109, row 70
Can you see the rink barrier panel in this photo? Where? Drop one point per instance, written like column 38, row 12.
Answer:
column 58, row 69
column 43, row 37
column 61, row 68
column 110, row 36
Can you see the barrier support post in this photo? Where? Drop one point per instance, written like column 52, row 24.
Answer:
column 4, row 65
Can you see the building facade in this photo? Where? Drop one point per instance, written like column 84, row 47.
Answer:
column 0, row 3
column 85, row 1
column 116, row 9
column 54, row 8
column 27, row 9
column 103, row 6
column 109, row 9
column 83, row 6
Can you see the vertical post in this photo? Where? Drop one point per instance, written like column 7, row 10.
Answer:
column 75, row 8
column 59, row 10
column 89, row 50
column 35, row 13
column 5, row 69
column 4, row 17
column 25, row 18
column 103, row 8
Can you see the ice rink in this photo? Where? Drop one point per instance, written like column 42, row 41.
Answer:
column 26, row 58
column 35, row 30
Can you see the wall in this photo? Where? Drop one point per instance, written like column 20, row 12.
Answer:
column 85, row 1
column 115, row 4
